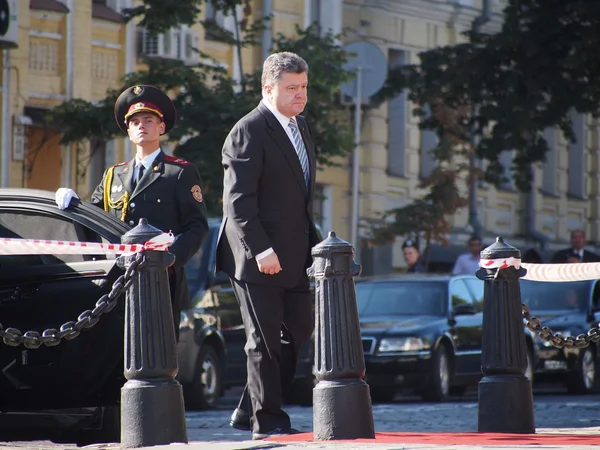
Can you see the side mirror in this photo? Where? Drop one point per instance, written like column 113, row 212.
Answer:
column 464, row 309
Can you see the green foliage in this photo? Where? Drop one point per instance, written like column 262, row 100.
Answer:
column 540, row 67
column 209, row 103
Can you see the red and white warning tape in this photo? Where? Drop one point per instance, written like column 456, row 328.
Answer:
column 9, row 246
column 553, row 273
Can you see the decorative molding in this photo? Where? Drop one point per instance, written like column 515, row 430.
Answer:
column 44, row 96
column 448, row 14
column 289, row 16
column 47, row 15
column 106, row 25
column 46, row 35
column 212, row 63
column 105, row 44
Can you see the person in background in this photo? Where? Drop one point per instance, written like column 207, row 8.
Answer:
column 573, row 258
column 412, row 256
column 577, row 244
column 531, row 256
column 468, row 263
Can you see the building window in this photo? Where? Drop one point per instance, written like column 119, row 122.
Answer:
column 215, row 23
column 43, row 57
column 506, row 160
column 429, row 141
column 550, row 165
column 397, row 114
column 104, row 65
column 576, row 170
column 327, row 14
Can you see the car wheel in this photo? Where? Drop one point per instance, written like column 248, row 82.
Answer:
column 583, row 380
column 204, row 391
column 438, row 387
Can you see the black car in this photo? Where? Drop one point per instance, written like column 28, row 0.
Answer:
column 212, row 297
column 423, row 333
column 570, row 309
column 72, row 384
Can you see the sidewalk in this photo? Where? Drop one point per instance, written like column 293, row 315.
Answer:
column 555, row 438
column 572, row 438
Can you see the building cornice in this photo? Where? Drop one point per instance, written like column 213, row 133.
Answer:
column 453, row 15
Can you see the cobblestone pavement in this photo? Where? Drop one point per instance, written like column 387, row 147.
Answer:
column 553, row 412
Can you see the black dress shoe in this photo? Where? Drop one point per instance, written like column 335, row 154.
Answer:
column 240, row 420
column 275, row 432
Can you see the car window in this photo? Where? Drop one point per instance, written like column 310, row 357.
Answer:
column 541, row 296
column 40, row 225
column 596, row 297
column 476, row 286
column 459, row 293
column 401, row 298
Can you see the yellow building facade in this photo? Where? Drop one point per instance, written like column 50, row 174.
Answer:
column 79, row 49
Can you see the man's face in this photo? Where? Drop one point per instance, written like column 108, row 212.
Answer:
column 411, row 255
column 289, row 95
column 474, row 247
column 145, row 128
column 577, row 240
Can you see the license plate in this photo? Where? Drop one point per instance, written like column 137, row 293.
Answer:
column 555, row 365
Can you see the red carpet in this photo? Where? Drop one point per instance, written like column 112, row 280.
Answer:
column 461, row 439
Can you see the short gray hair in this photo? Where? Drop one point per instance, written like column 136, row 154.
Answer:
column 283, row 62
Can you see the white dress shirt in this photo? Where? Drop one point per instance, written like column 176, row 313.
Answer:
column 466, row 264
column 147, row 162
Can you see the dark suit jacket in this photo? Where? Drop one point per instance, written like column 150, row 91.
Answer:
column 168, row 197
column 265, row 200
column 561, row 256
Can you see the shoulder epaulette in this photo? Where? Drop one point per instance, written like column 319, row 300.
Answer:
column 173, row 159
column 120, row 164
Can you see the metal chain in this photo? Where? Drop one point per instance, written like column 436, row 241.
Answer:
column 557, row 339
column 87, row 319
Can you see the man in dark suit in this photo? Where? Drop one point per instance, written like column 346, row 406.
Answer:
column 163, row 189
column 266, row 237
column 577, row 244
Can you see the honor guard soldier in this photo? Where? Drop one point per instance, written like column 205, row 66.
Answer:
column 411, row 257
column 162, row 189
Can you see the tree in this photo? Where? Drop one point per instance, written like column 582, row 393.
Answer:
column 208, row 100
column 528, row 77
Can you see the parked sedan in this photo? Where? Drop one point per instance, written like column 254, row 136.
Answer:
column 71, row 384
column 569, row 309
column 422, row 332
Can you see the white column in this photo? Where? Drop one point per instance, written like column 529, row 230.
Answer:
column 6, row 120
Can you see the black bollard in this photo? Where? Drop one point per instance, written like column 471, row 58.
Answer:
column 341, row 399
column 152, row 408
column 505, row 394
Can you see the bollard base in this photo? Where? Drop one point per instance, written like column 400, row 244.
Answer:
column 152, row 413
column 506, row 405
column 342, row 410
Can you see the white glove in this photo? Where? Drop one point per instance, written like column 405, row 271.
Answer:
column 63, row 197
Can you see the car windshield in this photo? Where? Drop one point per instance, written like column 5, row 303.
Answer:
column 397, row 298
column 541, row 296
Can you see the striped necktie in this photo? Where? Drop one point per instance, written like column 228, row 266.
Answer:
column 300, row 150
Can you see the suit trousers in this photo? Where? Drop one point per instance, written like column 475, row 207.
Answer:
column 266, row 310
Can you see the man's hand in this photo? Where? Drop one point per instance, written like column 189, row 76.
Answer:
column 269, row 265
column 63, row 197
